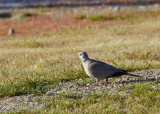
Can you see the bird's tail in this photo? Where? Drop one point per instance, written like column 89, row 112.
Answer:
column 133, row 75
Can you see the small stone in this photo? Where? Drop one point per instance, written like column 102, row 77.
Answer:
column 87, row 87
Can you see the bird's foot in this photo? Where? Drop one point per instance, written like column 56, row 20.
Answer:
column 97, row 84
column 106, row 82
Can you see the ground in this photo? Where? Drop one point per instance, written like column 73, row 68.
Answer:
column 78, row 89
column 40, row 71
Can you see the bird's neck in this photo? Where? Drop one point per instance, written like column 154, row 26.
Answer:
column 85, row 59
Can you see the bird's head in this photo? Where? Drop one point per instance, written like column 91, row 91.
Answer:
column 82, row 55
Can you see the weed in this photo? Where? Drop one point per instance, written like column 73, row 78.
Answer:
column 79, row 16
column 26, row 15
column 97, row 17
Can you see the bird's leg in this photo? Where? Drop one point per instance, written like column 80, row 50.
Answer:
column 106, row 81
column 121, row 78
column 97, row 81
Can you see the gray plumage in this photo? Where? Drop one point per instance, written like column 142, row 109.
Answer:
column 100, row 70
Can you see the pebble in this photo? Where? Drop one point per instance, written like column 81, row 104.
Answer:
column 11, row 31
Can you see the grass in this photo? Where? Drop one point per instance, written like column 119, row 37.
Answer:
column 79, row 16
column 49, row 58
column 124, row 46
column 26, row 15
column 143, row 99
column 33, row 64
column 131, row 16
column 37, row 81
column 32, row 44
column 100, row 17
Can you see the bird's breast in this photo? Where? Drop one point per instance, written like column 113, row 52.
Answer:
column 85, row 65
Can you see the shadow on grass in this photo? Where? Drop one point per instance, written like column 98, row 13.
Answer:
column 141, row 80
column 5, row 15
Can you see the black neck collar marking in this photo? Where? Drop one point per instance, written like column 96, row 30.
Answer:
column 85, row 60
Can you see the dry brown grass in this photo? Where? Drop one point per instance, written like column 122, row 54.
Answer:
column 122, row 42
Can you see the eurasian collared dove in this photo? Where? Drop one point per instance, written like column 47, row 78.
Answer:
column 100, row 70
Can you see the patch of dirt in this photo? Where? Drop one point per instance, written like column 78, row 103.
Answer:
column 79, row 87
column 39, row 24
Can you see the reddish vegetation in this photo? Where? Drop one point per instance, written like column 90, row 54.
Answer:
column 38, row 24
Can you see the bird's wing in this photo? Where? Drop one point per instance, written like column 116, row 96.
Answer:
column 102, row 70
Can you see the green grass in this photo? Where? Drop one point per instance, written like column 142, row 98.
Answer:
column 27, row 14
column 79, row 16
column 99, row 17
column 38, row 81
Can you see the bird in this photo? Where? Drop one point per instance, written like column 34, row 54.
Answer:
column 100, row 70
